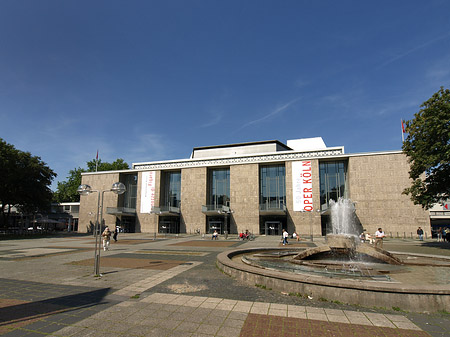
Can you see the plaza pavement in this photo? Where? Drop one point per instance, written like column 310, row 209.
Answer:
column 171, row 287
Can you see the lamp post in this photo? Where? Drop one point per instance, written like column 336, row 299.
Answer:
column 311, row 213
column 117, row 188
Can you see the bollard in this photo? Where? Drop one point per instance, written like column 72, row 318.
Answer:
column 397, row 235
column 225, row 234
column 404, row 235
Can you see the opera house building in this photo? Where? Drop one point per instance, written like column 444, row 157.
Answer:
column 262, row 187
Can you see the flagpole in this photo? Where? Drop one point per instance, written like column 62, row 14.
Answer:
column 403, row 131
column 96, row 162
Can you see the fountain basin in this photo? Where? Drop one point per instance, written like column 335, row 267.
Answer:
column 423, row 297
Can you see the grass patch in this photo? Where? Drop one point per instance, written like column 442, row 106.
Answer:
column 398, row 309
column 443, row 312
column 136, row 296
column 262, row 286
column 322, row 299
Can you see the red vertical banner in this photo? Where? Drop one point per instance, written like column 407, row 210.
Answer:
column 302, row 186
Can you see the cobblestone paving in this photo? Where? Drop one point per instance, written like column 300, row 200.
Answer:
column 49, row 295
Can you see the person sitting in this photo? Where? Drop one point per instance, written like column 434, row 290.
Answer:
column 295, row 236
column 362, row 237
column 247, row 234
column 369, row 238
column 215, row 235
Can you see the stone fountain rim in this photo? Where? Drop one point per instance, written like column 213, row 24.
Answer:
column 225, row 257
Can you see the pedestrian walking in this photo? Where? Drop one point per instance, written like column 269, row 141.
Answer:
column 285, row 237
column 106, row 235
column 379, row 236
column 420, row 233
column 116, row 232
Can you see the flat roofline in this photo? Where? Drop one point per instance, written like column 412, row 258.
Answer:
column 244, row 144
column 249, row 155
column 337, row 156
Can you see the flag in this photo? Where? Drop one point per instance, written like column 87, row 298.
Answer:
column 403, row 131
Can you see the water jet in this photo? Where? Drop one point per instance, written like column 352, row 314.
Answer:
column 345, row 270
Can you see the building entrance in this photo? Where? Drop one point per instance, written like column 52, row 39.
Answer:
column 127, row 224
column 215, row 226
column 169, row 225
column 273, row 227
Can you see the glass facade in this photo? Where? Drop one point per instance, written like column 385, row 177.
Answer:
column 172, row 189
column 219, row 187
column 333, row 182
column 130, row 195
column 272, row 187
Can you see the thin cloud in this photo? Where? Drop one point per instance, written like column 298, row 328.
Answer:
column 408, row 52
column 270, row 114
column 216, row 117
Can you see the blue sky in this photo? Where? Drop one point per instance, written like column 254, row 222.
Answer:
column 150, row 80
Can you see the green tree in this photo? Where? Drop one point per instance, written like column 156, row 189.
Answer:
column 24, row 181
column 428, row 149
column 66, row 191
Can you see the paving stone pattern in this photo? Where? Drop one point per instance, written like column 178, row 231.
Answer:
column 57, row 295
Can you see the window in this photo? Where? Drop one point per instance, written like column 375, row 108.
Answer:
column 172, row 189
column 130, row 194
column 272, row 187
column 333, row 181
column 219, row 191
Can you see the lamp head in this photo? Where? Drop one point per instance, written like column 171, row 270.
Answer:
column 118, row 188
column 84, row 189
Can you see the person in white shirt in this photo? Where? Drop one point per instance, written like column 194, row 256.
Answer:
column 379, row 236
column 285, row 237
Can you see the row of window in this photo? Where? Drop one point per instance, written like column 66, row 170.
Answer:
column 272, row 183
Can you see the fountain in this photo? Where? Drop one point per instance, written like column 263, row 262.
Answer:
column 346, row 270
column 343, row 248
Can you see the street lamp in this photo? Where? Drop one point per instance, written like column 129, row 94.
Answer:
column 311, row 212
column 117, row 188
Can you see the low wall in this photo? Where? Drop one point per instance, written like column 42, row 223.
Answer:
column 357, row 292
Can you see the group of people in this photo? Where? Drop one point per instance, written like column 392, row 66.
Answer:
column 443, row 234
column 245, row 235
column 285, row 236
column 378, row 240
column 106, row 236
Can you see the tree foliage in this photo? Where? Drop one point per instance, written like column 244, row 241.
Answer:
column 66, row 191
column 428, row 149
column 24, row 180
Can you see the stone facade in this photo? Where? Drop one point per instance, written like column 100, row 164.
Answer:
column 147, row 222
column 244, row 198
column 304, row 223
column 88, row 203
column 376, row 183
column 193, row 196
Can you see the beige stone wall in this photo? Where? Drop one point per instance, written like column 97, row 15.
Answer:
column 88, row 203
column 244, row 198
column 304, row 222
column 193, row 196
column 376, row 183
column 145, row 222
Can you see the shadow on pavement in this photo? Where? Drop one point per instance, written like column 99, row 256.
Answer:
column 17, row 313
column 440, row 245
